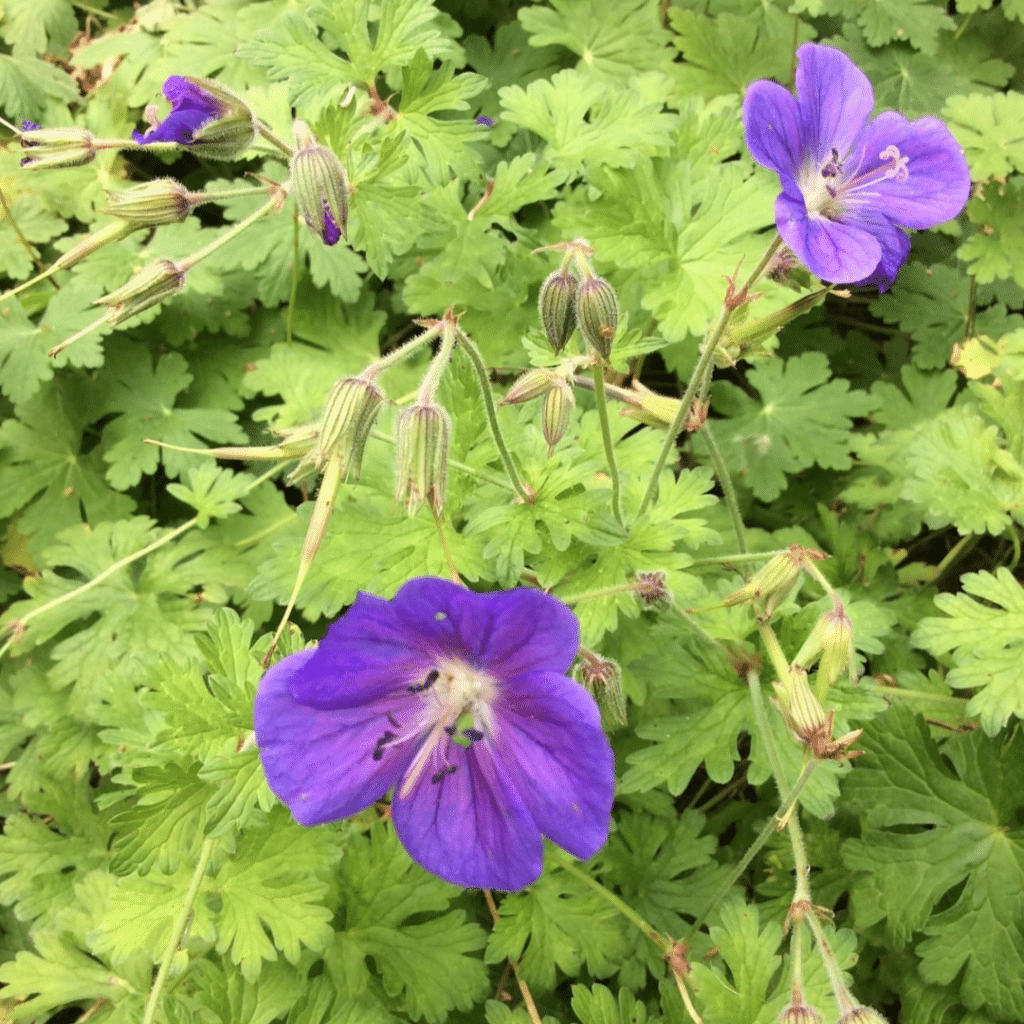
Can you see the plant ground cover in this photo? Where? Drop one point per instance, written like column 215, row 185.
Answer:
column 147, row 871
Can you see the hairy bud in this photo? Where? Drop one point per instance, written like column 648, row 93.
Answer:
column 422, row 440
column 862, row 1015
column 558, row 405
column 799, row 1013
column 798, row 705
column 774, row 582
column 533, row 384
column 55, row 147
column 557, row 298
column 349, row 413
column 320, row 186
column 162, row 201
column 602, row 678
column 157, row 281
column 832, row 640
column 597, row 314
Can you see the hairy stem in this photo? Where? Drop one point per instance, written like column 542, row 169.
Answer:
column 597, row 371
column 728, row 491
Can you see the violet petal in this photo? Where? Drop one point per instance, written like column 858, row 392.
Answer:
column 191, row 108
column 835, row 99
column 548, row 735
column 321, row 763
column 471, row 826
column 772, row 124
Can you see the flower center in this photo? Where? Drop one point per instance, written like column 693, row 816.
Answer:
column 451, row 704
column 831, row 188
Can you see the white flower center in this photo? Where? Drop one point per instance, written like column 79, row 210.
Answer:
column 830, row 188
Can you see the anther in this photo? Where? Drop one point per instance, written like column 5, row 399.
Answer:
column 473, row 735
column 432, row 677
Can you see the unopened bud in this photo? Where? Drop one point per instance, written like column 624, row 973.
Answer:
column 862, row 1015
column 652, row 589
column 422, row 439
column 802, row 711
column 774, row 582
column 744, row 338
column 597, row 314
column 157, row 281
column 558, row 404
column 162, row 201
column 348, row 415
column 556, row 305
column 532, row 384
column 799, row 1013
column 228, row 135
column 320, row 186
column 55, row 147
column 832, row 639
column 602, row 678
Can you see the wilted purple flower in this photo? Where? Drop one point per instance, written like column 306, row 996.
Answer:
column 205, row 116
column 849, row 187
column 460, row 701
column 191, row 108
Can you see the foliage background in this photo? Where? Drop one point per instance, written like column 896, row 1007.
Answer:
column 124, row 712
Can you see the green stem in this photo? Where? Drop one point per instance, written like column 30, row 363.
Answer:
column 567, row 864
column 597, row 371
column 524, row 492
column 177, row 932
column 738, row 559
column 697, row 377
column 775, row 652
column 249, row 192
column 898, row 691
column 396, row 355
column 771, row 827
column 728, row 491
column 764, row 729
column 965, row 543
column 265, row 131
column 190, row 261
column 290, row 314
column 435, row 371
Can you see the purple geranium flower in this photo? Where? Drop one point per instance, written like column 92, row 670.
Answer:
column 191, row 108
column 849, row 187
column 460, row 701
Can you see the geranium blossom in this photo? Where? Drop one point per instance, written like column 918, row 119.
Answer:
column 850, row 186
column 459, row 701
column 191, row 108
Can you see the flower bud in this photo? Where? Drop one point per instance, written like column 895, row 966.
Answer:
column 652, row 589
column 532, row 384
column 602, row 679
column 862, row 1015
column 157, row 281
column 774, row 581
column 558, row 404
column 422, row 439
column 112, row 232
column 799, row 1013
column 320, row 186
column 832, row 639
column 744, row 338
column 161, row 201
column 597, row 314
column 55, row 147
column 802, row 711
column 557, row 297
column 348, row 415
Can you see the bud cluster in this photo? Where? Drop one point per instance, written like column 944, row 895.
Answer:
column 559, row 399
column 574, row 296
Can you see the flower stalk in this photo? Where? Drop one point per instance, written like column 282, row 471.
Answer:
column 597, row 369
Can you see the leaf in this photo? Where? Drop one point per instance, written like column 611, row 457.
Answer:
column 620, row 37
column 597, row 1005
column 32, row 27
column 212, row 491
column 987, row 643
column 960, row 836
column 26, row 84
column 59, row 974
column 996, row 249
column 725, row 53
column 428, row 963
column 271, row 889
column 802, row 418
column 561, row 925
column 917, row 21
column 585, row 122
column 989, row 129
column 144, row 395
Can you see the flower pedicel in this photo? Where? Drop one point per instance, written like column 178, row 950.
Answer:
column 459, row 701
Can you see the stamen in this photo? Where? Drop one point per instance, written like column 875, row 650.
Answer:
column 447, row 770
column 473, row 735
column 432, row 677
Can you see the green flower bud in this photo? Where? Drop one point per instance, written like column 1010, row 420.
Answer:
column 532, row 384
column 556, row 305
column 422, row 440
column 162, row 201
column 157, row 281
column 798, row 1013
column 320, row 186
column 602, row 679
column 597, row 314
column 348, row 415
column 558, row 404
column 802, row 711
column 832, row 639
column 232, row 132
column 862, row 1015
column 773, row 582
column 56, row 147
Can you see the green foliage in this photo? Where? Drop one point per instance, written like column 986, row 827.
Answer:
column 961, row 816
